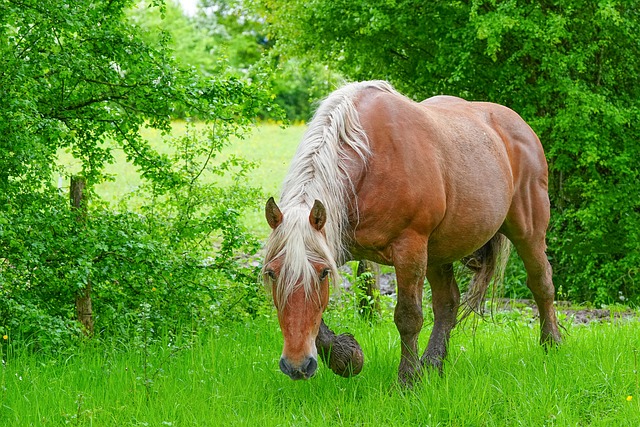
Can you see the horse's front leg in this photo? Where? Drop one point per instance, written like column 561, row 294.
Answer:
column 445, row 303
column 408, row 319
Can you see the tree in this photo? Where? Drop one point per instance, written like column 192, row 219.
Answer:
column 73, row 77
column 571, row 68
column 191, row 44
column 83, row 77
column 230, row 28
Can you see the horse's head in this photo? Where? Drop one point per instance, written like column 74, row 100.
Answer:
column 296, row 270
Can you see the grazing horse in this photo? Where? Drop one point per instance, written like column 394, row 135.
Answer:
column 416, row 186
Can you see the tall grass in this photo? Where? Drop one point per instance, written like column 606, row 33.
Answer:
column 496, row 376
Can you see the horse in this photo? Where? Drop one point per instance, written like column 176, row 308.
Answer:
column 416, row 186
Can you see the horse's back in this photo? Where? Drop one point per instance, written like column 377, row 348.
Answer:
column 523, row 146
column 448, row 167
column 526, row 157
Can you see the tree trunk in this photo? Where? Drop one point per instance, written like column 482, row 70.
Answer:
column 78, row 200
column 369, row 286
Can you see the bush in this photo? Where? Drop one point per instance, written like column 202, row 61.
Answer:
column 87, row 80
column 185, row 255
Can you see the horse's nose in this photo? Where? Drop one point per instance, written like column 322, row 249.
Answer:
column 303, row 372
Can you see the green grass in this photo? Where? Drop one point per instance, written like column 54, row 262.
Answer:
column 498, row 376
column 272, row 147
column 269, row 145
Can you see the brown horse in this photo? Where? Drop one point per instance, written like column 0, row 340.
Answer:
column 412, row 185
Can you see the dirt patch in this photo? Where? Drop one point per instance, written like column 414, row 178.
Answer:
column 586, row 316
column 577, row 315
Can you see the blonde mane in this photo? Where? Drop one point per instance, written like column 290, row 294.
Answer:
column 319, row 171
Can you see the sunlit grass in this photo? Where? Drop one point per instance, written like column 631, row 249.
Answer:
column 498, row 376
column 270, row 146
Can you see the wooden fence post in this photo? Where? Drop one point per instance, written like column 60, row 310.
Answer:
column 78, row 200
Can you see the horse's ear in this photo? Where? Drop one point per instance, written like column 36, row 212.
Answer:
column 318, row 215
column 272, row 213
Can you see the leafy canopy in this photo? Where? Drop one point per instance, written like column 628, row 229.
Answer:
column 571, row 68
column 76, row 76
column 84, row 77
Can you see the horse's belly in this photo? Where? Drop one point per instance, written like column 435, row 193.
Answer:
column 451, row 230
column 470, row 223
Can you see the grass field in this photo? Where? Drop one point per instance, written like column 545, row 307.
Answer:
column 270, row 146
column 498, row 376
column 495, row 376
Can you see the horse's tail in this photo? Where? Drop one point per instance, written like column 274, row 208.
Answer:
column 487, row 262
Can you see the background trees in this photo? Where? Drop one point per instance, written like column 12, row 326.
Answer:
column 89, row 78
column 85, row 79
column 570, row 68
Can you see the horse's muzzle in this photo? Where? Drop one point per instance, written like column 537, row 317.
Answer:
column 303, row 372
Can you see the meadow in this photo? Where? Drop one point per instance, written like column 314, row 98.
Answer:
column 496, row 373
column 269, row 146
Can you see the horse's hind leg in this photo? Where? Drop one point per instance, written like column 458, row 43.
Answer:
column 526, row 227
column 541, row 285
column 445, row 302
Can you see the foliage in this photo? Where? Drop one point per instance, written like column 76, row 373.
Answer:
column 230, row 29
column 298, row 85
column 160, row 257
column 193, row 46
column 240, row 33
column 85, row 79
column 570, row 68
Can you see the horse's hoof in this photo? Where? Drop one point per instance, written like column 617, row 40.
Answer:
column 343, row 355
column 408, row 379
column 432, row 364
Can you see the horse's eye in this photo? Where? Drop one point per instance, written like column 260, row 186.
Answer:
column 271, row 274
column 324, row 273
